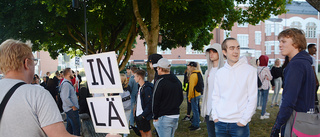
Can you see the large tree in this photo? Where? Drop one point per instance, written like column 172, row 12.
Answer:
column 56, row 27
column 184, row 22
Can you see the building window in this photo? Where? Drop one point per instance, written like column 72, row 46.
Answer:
column 311, row 30
column 191, row 51
column 268, row 29
column 243, row 24
column 243, row 40
column 257, row 37
column 296, row 24
column 159, row 50
column 257, row 54
column 276, row 48
column 227, row 34
column 268, row 48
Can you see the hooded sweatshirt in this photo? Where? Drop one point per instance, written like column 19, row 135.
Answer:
column 235, row 93
column 209, row 80
column 167, row 96
column 299, row 86
column 264, row 72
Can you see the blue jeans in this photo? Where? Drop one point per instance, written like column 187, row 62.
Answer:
column 195, row 111
column 133, row 101
column 73, row 122
column 259, row 99
column 231, row 130
column 264, row 94
column 166, row 126
column 210, row 127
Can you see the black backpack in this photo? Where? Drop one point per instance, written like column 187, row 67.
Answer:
column 199, row 87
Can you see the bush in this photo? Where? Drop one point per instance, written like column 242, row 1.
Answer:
column 177, row 70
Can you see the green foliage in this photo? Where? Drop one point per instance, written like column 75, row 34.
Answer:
column 54, row 26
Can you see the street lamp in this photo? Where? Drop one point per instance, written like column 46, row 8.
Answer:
column 274, row 20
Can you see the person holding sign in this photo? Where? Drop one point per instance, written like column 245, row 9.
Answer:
column 167, row 98
column 143, row 108
column 70, row 103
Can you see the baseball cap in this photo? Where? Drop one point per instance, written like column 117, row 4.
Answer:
column 154, row 58
column 194, row 64
column 163, row 63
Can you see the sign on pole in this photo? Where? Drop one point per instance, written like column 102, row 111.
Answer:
column 102, row 73
column 77, row 61
column 108, row 115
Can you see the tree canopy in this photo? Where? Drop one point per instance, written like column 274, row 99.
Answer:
column 55, row 26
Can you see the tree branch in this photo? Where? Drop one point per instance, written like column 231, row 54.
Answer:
column 143, row 26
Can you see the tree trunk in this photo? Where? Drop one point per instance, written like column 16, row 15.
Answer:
column 152, row 35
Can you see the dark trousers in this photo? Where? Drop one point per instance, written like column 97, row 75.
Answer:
column 73, row 122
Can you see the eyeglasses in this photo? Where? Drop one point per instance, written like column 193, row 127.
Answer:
column 35, row 61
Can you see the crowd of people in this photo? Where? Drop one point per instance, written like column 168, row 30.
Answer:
column 228, row 89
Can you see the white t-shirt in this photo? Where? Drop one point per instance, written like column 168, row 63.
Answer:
column 139, row 107
column 210, row 88
column 313, row 61
column 29, row 109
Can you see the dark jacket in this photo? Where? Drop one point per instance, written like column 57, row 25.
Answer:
column 276, row 72
column 167, row 96
column 299, row 86
column 146, row 100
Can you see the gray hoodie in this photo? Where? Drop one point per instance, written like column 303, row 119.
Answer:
column 217, row 47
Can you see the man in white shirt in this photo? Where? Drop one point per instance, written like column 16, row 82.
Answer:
column 31, row 110
column 234, row 93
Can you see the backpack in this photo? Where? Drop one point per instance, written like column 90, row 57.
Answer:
column 199, row 87
column 259, row 80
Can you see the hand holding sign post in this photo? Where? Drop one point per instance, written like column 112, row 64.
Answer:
column 103, row 76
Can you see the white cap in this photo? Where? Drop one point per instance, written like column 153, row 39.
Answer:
column 163, row 63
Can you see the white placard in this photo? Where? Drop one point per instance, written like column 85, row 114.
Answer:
column 102, row 73
column 108, row 115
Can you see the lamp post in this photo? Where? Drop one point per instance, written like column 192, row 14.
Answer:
column 274, row 20
column 75, row 4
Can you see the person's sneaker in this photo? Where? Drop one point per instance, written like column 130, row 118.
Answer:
column 186, row 118
column 267, row 114
column 195, row 128
column 264, row 117
column 259, row 107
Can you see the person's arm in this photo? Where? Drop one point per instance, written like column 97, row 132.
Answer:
column 192, row 83
column 56, row 130
column 291, row 89
column 314, row 71
column 147, row 97
column 273, row 74
column 157, row 101
column 252, row 98
column 268, row 74
column 215, row 99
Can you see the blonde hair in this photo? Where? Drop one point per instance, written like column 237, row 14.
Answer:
column 124, row 80
column 13, row 53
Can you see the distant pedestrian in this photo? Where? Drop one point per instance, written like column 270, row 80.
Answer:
column 194, row 95
column 299, row 80
column 215, row 61
column 143, row 108
column 153, row 59
column 134, row 90
column 70, row 103
column 265, row 77
column 167, row 98
column 277, row 75
column 312, row 49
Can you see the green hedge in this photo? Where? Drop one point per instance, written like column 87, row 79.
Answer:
column 177, row 70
